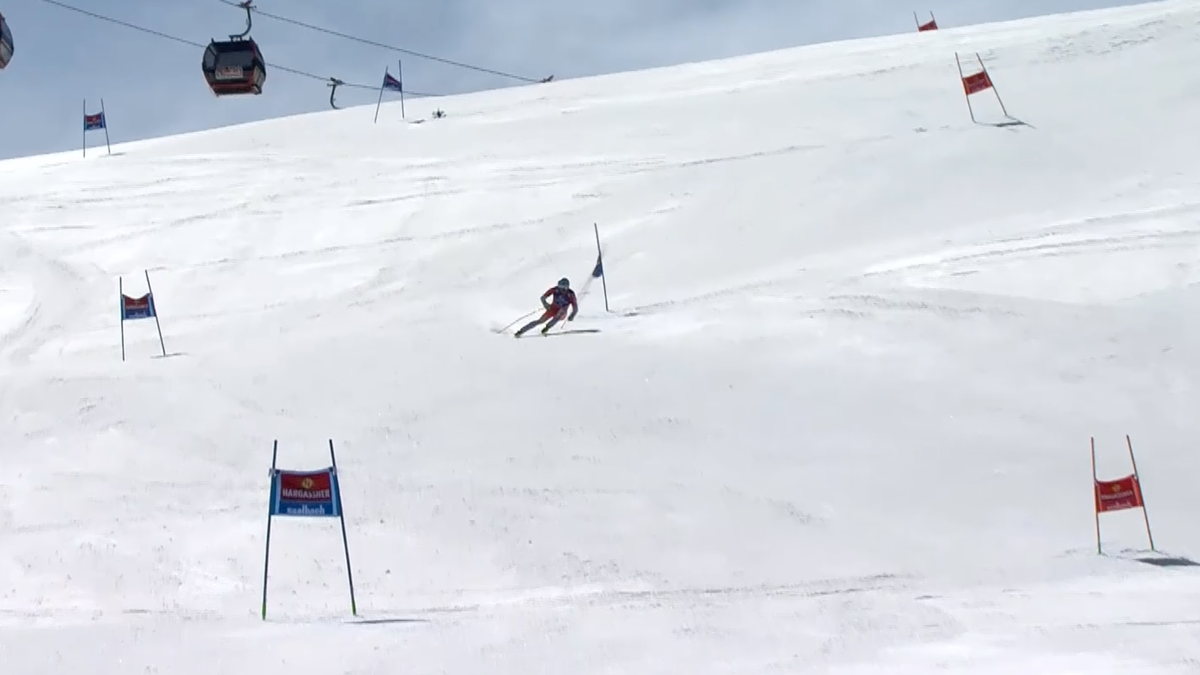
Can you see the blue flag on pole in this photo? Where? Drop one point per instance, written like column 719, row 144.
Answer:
column 598, row 270
column 137, row 308
column 93, row 122
column 392, row 83
column 305, row 493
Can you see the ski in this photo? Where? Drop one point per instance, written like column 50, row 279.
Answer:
column 573, row 331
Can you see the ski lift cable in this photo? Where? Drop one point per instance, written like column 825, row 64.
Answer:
column 373, row 43
column 199, row 45
column 126, row 24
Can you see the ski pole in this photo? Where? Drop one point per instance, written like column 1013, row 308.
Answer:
column 514, row 321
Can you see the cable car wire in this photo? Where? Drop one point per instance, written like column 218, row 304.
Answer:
column 365, row 41
column 198, row 45
column 123, row 23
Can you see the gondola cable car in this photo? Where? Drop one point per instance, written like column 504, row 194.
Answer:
column 235, row 66
column 6, row 43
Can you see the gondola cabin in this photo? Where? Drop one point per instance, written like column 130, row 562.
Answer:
column 234, row 67
column 6, row 43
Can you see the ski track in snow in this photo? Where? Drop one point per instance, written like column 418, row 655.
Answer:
column 836, row 422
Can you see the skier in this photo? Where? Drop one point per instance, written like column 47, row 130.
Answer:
column 564, row 297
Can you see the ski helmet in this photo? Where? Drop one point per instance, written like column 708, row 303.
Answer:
column 564, row 283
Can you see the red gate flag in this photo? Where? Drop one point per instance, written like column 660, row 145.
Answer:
column 1120, row 494
column 973, row 84
column 980, row 82
column 929, row 25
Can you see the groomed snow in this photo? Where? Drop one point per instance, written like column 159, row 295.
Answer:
column 837, row 420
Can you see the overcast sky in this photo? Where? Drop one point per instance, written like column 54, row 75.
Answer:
column 153, row 87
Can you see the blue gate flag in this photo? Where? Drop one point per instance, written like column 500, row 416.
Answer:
column 312, row 494
column 137, row 308
column 93, row 122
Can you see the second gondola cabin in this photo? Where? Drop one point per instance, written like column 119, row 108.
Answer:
column 6, row 43
column 234, row 67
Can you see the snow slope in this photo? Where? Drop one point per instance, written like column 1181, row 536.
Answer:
column 837, row 421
